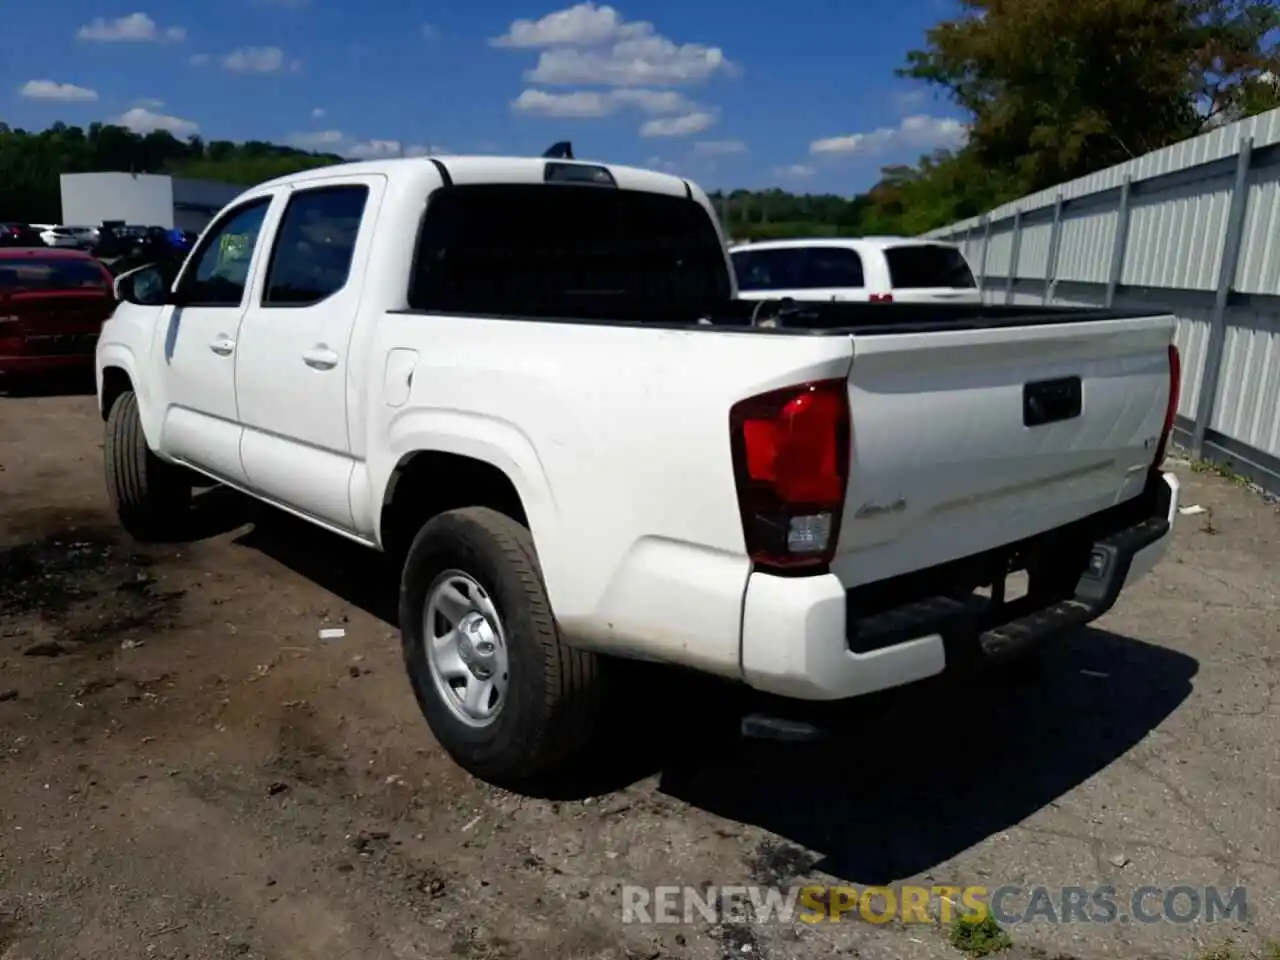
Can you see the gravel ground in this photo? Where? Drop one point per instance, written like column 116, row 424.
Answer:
column 187, row 770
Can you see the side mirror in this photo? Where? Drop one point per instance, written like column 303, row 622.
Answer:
column 146, row 286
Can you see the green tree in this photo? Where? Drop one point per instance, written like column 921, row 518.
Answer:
column 30, row 163
column 1060, row 88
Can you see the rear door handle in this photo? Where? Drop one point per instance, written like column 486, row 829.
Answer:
column 320, row 357
column 224, row 346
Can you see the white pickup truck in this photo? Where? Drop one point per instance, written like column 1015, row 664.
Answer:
column 531, row 379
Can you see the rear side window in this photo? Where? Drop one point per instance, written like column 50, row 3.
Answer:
column 555, row 250
column 311, row 259
column 52, row 273
column 798, row 268
column 927, row 266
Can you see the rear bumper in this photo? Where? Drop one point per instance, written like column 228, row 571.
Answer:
column 795, row 636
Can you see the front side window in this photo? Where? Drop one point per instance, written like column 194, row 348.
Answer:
column 798, row 268
column 311, row 259
column 551, row 250
column 220, row 272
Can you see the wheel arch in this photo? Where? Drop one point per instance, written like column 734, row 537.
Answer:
column 427, row 482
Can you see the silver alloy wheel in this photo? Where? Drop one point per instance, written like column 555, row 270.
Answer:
column 466, row 648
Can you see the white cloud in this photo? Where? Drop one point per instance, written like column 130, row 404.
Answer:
column 591, row 104
column 382, row 149
column 590, row 44
column 645, row 61
column 258, row 60
column 719, row 148
column 919, row 132
column 318, row 113
column 335, row 141
column 908, row 99
column 50, row 90
column 149, row 102
column 681, row 126
column 796, row 171
column 324, row 141
column 133, row 28
column 142, row 120
column 581, row 25
column 661, row 163
column 198, row 59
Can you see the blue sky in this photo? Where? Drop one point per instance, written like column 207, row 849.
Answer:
column 755, row 94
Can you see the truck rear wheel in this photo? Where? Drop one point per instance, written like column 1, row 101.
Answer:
column 503, row 693
column 151, row 497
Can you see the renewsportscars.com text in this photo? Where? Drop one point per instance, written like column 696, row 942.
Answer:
column 918, row 904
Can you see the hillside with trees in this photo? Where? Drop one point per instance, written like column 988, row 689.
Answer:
column 1053, row 89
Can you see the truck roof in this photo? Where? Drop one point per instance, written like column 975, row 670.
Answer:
column 487, row 169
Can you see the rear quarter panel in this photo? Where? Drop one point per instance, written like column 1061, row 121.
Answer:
column 617, row 439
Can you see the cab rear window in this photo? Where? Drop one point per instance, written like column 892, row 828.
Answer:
column 31, row 274
column 927, row 266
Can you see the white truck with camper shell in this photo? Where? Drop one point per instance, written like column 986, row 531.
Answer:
column 531, row 380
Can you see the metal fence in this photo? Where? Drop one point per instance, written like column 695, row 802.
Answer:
column 1192, row 230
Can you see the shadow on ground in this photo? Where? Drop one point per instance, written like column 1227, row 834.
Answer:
column 924, row 773
column 912, row 777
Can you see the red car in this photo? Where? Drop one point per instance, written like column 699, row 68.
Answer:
column 52, row 306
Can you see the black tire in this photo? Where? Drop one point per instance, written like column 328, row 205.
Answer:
column 553, row 697
column 152, row 498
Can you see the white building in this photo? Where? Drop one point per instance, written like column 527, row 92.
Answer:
column 143, row 199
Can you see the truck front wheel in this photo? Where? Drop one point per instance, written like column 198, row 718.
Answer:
column 502, row 692
column 151, row 497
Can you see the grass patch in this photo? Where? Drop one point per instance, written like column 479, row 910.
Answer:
column 979, row 936
column 1225, row 470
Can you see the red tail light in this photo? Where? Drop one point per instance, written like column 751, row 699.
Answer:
column 1171, row 411
column 881, row 298
column 791, row 465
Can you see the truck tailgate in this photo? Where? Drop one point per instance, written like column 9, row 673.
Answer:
column 965, row 440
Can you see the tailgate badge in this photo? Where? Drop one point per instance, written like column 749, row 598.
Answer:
column 873, row 509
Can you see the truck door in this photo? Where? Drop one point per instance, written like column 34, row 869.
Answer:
column 201, row 423
column 292, row 376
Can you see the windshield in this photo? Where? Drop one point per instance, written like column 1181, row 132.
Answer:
column 567, row 251
column 51, row 273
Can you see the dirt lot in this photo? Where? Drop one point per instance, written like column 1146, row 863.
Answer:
column 187, row 770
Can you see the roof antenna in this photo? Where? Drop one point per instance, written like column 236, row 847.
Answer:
column 560, row 151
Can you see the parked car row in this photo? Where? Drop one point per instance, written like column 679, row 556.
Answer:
column 110, row 240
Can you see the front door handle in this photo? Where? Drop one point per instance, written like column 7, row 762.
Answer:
column 320, row 357
column 224, row 346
